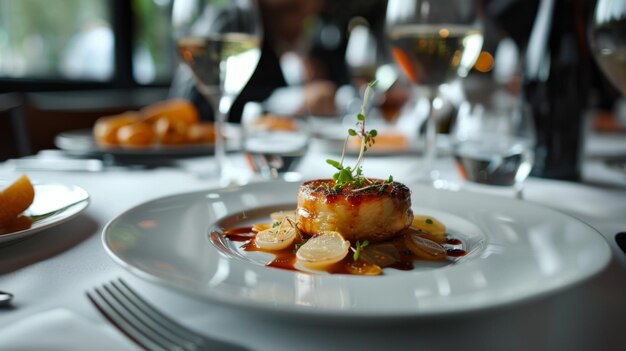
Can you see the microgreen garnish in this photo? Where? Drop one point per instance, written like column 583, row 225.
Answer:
column 297, row 246
column 359, row 246
column 429, row 221
column 347, row 175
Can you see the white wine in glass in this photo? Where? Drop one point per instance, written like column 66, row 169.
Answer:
column 608, row 40
column 220, row 42
column 433, row 42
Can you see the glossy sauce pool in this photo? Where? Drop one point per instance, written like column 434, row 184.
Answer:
column 403, row 258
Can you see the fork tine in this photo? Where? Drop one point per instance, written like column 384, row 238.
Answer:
column 136, row 323
column 145, row 325
column 121, row 324
column 169, row 326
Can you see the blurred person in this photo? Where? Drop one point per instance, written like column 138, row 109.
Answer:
column 303, row 57
column 286, row 25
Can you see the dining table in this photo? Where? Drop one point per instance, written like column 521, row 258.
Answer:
column 50, row 272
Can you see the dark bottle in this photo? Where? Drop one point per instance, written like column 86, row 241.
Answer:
column 556, row 86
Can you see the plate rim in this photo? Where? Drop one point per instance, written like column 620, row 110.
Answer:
column 296, row 311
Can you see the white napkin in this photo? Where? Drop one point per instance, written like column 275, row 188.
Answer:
column 61, row 329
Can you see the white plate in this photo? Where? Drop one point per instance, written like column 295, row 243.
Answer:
column 81, row 143
column 53, row 204
column 516, row 250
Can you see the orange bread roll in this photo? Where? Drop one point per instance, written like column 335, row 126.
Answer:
column 105, row 129
column 175, row 110
column 201, row 133
column 171, row 132
column 136, row 135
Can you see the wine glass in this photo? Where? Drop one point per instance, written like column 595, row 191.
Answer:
column 433, row 42
column 608, row 40
column 273, row 144
column 367, row 60
column 220, row 42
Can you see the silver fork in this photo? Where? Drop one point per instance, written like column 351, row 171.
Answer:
column 144, row 324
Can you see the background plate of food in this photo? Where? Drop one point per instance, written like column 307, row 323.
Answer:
column 167, row 128
column 329, row 135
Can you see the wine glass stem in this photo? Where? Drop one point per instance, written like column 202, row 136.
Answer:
column 221, row 118
column 221, row 106
column 430, row 151
column 428, row 171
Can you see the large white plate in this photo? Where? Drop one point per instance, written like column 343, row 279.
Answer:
column 516, row 251
column 53, row 204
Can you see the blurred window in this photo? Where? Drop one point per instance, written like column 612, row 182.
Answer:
column 76, row 41
column 153, row 51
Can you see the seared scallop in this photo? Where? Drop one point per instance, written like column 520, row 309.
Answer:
column 375, row 211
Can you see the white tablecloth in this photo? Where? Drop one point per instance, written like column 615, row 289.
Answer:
column 55, row 268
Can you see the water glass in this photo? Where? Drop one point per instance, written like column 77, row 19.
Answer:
column 273, row 144
column 493, row 141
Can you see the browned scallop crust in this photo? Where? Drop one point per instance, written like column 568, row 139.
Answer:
column 373, row 212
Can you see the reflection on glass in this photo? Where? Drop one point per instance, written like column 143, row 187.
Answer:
column 433, row 42
column 608, row 40
column 220, row 42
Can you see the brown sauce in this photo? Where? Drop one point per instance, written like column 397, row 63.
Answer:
column 403, row 257
column 453, row 241
column 239, row 234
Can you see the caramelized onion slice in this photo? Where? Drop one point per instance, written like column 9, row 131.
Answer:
column 383, row 255
column 279, row 216
column 432, row 227
column 276, row 238
column 425, row 248
column 323, row 250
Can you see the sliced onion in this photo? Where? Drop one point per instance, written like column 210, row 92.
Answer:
column 323, row 250
column 432, row 227
column 277, row 238
column 383, row 255
column 425, row 248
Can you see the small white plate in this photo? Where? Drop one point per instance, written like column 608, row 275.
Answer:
column 53, row 204
column 516, row 251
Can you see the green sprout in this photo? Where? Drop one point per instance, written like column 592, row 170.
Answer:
column 359, row 246
column 347, row 175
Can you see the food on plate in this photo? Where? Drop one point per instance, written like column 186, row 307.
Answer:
column 375, row 210
column 202, row 132
column 332, row 252
column 389, row 141
column 323, row 250
column 273, row 122
column 350, row 224
column 171, row 122
column 136, row 135
column 15, row 199
column 105, row 129
column 19, row 223
column 435, row 230
column 175, row 110
column 276, row 237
